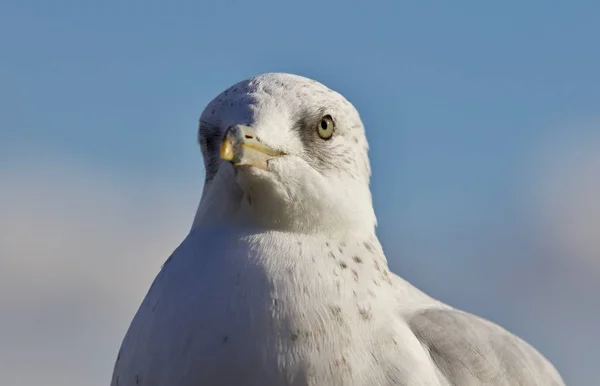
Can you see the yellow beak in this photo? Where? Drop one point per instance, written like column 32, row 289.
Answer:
column 240, row 146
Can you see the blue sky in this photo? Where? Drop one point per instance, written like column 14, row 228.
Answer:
column 483, row 120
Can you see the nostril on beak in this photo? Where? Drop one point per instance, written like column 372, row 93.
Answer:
column 248, row 136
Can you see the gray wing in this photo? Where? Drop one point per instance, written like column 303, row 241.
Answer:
column 469, row 351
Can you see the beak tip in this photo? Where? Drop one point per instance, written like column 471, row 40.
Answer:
column 227, row 151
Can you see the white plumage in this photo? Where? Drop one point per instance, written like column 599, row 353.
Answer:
column 282, row 281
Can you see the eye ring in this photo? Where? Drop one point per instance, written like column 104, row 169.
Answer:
column 326, row 127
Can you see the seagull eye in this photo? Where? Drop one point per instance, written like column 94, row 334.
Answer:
column 326, row 127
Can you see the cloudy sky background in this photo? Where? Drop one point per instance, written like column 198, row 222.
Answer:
column 483, row 120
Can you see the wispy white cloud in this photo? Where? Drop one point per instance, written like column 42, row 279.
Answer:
column 561, row 200
column 79, row 246
column 565, row 196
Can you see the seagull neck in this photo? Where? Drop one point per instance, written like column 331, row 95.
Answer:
column 223, row 205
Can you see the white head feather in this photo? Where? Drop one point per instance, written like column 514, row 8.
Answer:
column 318, row 185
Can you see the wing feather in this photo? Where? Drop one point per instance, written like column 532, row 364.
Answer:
column 469, row 350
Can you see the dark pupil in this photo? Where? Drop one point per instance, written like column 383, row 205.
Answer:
column 324, row 124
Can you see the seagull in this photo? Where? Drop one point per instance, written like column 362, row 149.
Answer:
column 282, row 280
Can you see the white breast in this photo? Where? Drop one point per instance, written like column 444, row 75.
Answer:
column 268, row 309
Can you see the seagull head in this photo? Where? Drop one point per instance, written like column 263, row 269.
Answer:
column 284, row 152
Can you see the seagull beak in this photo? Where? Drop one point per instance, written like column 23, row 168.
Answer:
column 241, row 146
